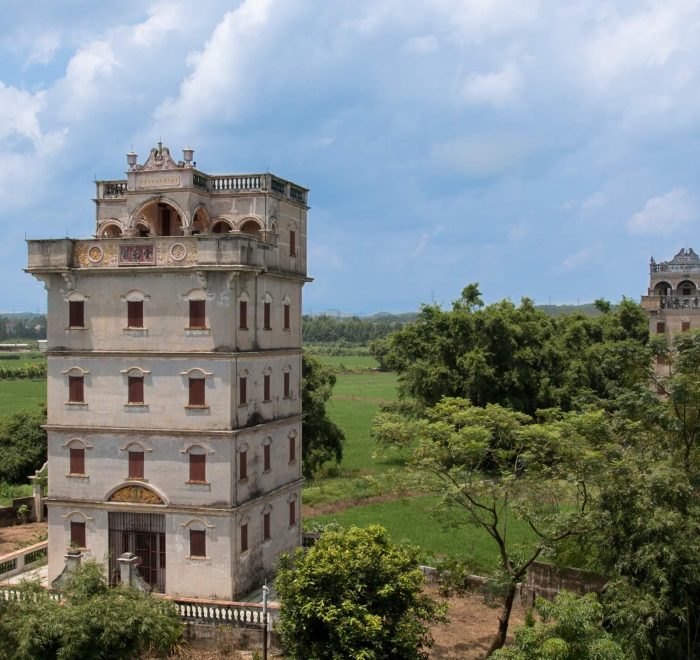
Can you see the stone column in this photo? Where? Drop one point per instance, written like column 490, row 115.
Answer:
column 38, row 503
column 129, row 572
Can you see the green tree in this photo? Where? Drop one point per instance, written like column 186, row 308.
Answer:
column 22, row 444
column 569, row 629
column 490, row 464
column 354, row 595
column 94, row 621
column 322, row 439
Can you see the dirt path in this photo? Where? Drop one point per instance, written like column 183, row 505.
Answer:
column 341, row 505
column 19, row 536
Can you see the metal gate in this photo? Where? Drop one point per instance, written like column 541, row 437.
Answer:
column 142, row 534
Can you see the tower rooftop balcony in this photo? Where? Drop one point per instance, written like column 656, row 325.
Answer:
column 213, row 251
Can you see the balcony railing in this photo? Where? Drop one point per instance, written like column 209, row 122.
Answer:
column 21, row 560
column 671, row 302
column 220, row 183
column 674, row 268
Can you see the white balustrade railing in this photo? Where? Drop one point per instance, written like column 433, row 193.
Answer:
column 222, row 612
column 20, row 560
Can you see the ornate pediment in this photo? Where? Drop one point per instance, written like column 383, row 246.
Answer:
column 159, row 159
column 135, row 495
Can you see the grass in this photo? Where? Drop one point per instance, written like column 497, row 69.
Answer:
column 16, row 395
column 414, row 520
column 20, row 359
column 349, row 362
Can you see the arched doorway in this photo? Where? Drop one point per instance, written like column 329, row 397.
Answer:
column 251, row 227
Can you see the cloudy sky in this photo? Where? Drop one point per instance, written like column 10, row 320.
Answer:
column 543, row 148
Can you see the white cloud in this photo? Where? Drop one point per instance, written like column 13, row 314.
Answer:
column 44, row 47
column 577, row 259
column 422, row 45
column 496, row 88
column 672, row 211
column 19, row 112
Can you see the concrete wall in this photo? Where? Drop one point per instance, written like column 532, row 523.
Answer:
column 166, row 312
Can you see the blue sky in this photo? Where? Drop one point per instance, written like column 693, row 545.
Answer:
column 542, row 148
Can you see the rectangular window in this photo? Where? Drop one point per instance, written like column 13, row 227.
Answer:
column 197, row 309
column 266, row 458
column 685, row 326
column 76, row 314
column 135, row 389
column 292, row 513
column 292, row 243
column 243, row 314
column 242, row 394
column 266, row 527
column 660, row 389
column 134, row 309
column 660, row 326
column 75, row 389
column 660, row 359
column 267, row 325
column 77, row 534
column 244, row 538
column 286, row 384
column 287, row 324
column 266, row 387
column 77, row 460
column 197, row 392
column 135, row 465
column 242, row 465
column 198, row 543
column 198, row 472
column 292, row 449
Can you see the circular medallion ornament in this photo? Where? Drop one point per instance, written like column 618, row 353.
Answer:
column 178, row 252
column 95, row 254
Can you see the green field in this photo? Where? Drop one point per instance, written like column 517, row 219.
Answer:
column 349, row 362
column 21, row 395
column 414, row 520
column 20, row 359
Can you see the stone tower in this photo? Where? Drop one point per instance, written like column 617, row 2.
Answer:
column 174, row 376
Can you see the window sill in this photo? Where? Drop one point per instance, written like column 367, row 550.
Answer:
column 75, row 404
column 140, row 480
column 194, row 406
column 201, row 486
column 84, row 477
column 243, row 480
column 197, row 332
column 76, row 328
column 135, row 332
column 268, row 329
column 243, row 405
column 267, row 400
column 197, row 558
column 267, row 470
column 243, row 329
column 136, row 406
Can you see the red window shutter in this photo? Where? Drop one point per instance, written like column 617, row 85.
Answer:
column 75, row 389
column 198, row 543
column 77, row 534
column 286, row 317
column 292, row 244
column 266, row 458
column 197, row 314
column 685, row 326
column 286, row 384
column 243, row 314
column 292, row 513
column 135, row 389
column 660, row 326
column 76, row 314
column 242, row 394
column 660, row 389
column 197, row 392
column 292, row 449
column 135, row 465
column 266, row 316
column 244, row 538
column 242, row 465
column 660, row 359
column 266, row 387
column 198, row 470
column 134, row 309
column 266, row 526
column 77, row 460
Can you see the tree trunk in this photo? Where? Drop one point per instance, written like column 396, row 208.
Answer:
column 503, row 621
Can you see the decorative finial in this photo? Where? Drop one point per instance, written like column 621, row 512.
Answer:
column 187, row 154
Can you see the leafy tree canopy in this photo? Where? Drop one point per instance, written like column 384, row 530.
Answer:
column 568, row 629
column 516, row 356
column 354, row 595
column 322, row 438
column 94, row 621
column 22, row 444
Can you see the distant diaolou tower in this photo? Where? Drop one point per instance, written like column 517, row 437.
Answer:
column 174, row 376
